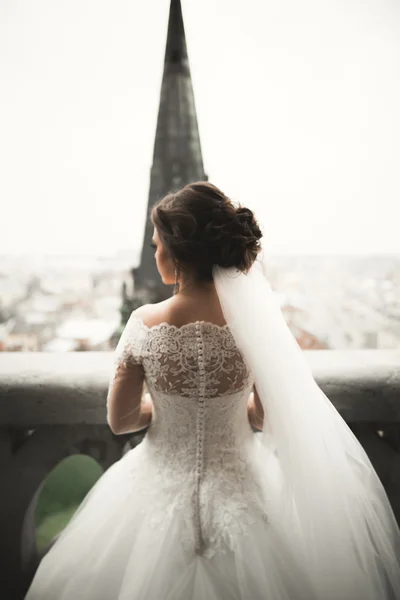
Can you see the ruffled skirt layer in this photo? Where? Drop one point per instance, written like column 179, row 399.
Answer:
column 111, row 549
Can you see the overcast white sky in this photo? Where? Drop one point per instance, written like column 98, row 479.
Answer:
column 297, row 102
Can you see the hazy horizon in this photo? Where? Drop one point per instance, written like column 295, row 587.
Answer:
column 297, row 108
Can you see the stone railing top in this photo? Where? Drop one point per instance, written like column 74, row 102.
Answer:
column 42, row 388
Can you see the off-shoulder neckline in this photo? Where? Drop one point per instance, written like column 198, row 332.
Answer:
column 166, row 325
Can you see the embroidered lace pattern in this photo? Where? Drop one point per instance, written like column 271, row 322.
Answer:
column 198, row 456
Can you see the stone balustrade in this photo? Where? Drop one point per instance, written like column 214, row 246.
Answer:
column 54, row 405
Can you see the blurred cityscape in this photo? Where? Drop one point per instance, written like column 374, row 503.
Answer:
column 63, row 304
column 77, row 303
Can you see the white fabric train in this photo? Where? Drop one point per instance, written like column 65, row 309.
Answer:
column 331, row 496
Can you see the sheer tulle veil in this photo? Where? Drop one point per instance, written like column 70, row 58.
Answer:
column 331, row 497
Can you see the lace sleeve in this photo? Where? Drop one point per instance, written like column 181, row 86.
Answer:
column 128, row 349
column 125, row 391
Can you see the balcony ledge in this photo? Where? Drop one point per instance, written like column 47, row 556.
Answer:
column 53, row 405
column 71, row 388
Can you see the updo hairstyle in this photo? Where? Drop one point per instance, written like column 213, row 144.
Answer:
column 200, row 227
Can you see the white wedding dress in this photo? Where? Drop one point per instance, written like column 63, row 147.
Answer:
column 194, row 512
column 189, row 512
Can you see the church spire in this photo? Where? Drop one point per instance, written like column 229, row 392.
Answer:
column 177, row 149
column 177, row 157
column 176, row 51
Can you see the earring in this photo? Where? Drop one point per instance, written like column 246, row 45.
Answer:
column 176, row 286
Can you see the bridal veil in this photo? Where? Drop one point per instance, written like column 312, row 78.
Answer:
column 332, row 497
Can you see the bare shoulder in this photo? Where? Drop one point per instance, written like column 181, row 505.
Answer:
column 153, row 314
column 179, row 311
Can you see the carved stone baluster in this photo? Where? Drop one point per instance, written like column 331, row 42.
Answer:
column 23, row 477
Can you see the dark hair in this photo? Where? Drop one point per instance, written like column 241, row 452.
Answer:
column 200, row 227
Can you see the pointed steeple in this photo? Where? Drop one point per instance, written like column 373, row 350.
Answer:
column 177, row 149
column 177, row 158
column 176, row 51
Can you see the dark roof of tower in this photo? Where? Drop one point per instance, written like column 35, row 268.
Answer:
column 176, row 51
column 177, row 149
column 177, row 156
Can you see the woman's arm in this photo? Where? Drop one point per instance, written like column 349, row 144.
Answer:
column 255, row 410
column 129, row 407
column 146, row 413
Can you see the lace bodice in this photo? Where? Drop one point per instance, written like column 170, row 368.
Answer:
column 171, row 357
column 200, row 446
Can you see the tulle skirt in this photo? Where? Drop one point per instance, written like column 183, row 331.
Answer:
column 111, row 551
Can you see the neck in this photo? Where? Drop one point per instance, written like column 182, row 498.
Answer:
column 191, row 287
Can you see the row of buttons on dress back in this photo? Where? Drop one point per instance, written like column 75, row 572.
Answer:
column 200, row 435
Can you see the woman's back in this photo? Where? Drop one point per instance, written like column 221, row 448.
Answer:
column 199, row 440
column 198, row 304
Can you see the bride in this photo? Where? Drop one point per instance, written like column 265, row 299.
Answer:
column 204, row 508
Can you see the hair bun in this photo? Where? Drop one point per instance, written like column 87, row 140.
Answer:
column 200, row 227
column 247, row 219
column 241, row 244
